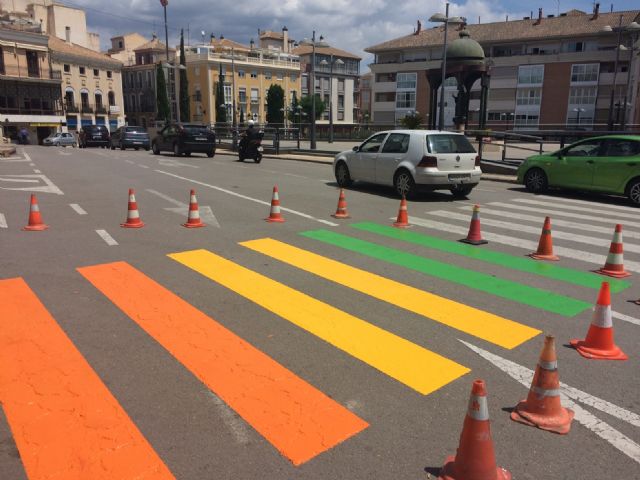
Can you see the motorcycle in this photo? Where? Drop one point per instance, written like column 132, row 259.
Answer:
column 251, row 148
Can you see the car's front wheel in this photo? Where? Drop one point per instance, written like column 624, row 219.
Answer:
column 211, row 153
column 535, row 180
column 461, row 191
column 343, row 177
column 633, row 191
column 404, row 183
column 155, row 149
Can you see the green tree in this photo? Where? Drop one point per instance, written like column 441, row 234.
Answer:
column 162, row 100
column 275, row 104
column 293, row 108
column 411, row 121
column 221, row 108
column 185, row 113
column 307, row 107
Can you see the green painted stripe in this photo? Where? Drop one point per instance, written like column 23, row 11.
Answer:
column 523, row 264
column 517, row 292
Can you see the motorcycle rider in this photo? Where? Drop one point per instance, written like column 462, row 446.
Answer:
column 247, row 135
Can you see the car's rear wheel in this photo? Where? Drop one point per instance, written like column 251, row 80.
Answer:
column 176, row 150
column 633, row 191
column 113, row 147
column 535, row 180
column 155, row 149
column 210, row 153
column 460, row 191
column 121, row 146
column 343, row 177
column 404, row 183
column 187, row 154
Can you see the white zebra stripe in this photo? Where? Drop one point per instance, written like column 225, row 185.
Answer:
column 585, row 202
column 560, row 213
column 3, row 221
column 626, row 318
column 78, row 209
column 554, row 221
column 597, row 242
column 106, row 237
column 632, row 216
column 520, row 243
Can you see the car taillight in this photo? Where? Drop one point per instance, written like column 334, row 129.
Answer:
column 477, row 164
column 428, row 161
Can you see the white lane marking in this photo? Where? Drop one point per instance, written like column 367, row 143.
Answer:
column 206, row 214
column 35, row 170
column 61, row 152
column 519, row 227
column 554, row 221
column 262, row 202
column 143, row 166
column 170, row 162
column 485, row 190
column 3, row 221
column 26, row 155
column 78, row 209
column 617, row 439
column 625, row 318
column 106, row 237
column 13, row 159
column 560, row 213
column 49, row 188
column 130, row 161
column 520, row 243
column 294, row 175
column 632, row 216
column 167, row 198
column 592, row 204
column 236, row 425
column 32, row 164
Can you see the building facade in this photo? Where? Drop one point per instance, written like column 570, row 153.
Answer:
column 91, row 84
column 545, row 72
column 30, row 93
column 247, row 72
column 366, row 97
column 123, row 47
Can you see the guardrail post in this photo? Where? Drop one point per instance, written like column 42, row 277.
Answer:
column 504, row 148
column 298, row 138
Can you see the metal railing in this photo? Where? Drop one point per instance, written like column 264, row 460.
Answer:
column 18, row 71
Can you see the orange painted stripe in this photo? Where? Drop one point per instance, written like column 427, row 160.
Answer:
column 65, row 422
column 299, row 420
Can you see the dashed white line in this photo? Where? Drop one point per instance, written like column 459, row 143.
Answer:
column 130, row 161
column 106, row 237
column 626, row 318
column 262, row 202
column 143, row 166
column 78, row 209
column 3, row 221
column 35, row 170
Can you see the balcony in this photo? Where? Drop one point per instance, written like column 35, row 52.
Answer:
column 255, row 100
column 101, row 109
column 23, row 72
column 86, row 109
column 71, row 108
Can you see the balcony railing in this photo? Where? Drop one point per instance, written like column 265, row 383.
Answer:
column 86, row 109
column 71, row 108
column 101, row 109
column 24, row 72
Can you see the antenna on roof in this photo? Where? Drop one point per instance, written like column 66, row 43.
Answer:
column 612, row 8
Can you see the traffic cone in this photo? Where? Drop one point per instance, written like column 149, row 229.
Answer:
column 545, row 245
column 475, row 458
column 542, row 408
column 35, row 220
column 474, row 237
column 133, row 217
column 614, row 265
column 403, row 216
column 341, row 211
column 193, row 219
column 274, row 214
column 599, row 342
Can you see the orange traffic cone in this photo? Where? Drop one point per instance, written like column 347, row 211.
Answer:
column 35, row 220
column 542, row 408
column 403, row 216
column 545, row 245
column 474, row 237
column 599, row 342
column 133, row 217
column 193, row 219
column 475, row 458
column 614, row 265
column 274, row 214
column 341, row 211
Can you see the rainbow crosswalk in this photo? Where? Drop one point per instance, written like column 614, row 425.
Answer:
column 66, row 422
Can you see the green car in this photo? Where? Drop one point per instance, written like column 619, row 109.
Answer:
column 607, row 164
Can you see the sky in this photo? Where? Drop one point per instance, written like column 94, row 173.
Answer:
column 351, row 25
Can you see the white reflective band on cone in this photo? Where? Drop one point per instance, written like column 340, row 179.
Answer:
column 617, row 237
column 545, row 393
column 132, row 198
column 134, row 214
column 478, row 409
column 602, row 316
column 548, row 365
column 35, row 208
column 615, row 259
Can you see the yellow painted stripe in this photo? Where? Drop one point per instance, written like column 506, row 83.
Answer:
column 487, row 326
column 408, row 363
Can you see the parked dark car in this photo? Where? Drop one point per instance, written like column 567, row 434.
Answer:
column 130, row 137
column 185, row 138
column 94, row 136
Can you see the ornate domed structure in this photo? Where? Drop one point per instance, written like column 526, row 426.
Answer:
column 465, row 50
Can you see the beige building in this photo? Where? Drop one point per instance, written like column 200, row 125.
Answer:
column 248, row 72
column 30, row 94
column 91, row 84
column 123, row 47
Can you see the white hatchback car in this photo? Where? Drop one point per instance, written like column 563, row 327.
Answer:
column 412, row 159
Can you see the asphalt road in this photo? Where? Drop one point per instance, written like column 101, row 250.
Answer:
column 295, row 380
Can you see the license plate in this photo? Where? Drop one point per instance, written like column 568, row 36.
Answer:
column 97, row 137
column 201, row 139
column 459, row 176
column 137, row 143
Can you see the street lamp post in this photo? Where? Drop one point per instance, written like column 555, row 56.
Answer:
column 337, row 61
column 314, row 44
column 439, row 18
column 578, row 112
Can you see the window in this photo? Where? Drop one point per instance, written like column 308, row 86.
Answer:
column 66, row 67
column 582, row 95
column 385, row 77
column 241, row 74
column 293, row 77
column 112, row 98
column 82, row 70
column 341, row 85
column 621, row 148
column 449, row 143
column 373, row 144
column 98, row 100
column 1, row 61
column 406, row 81
column 530, row 74
column 197, row 95
column 528, row 96
column 267, row 75
column 396, row 143
column 524, row 120
column 589, row 148
column 575, row 47
column 33, row 68
column 255, row 95
column 109, row 74
column 325, row 83
column 242, row 95
column 279, row 76
column 96, row 72
column 341, row 101
column 406, row 100
column 386, row 97
column 584, row 73
column 254, row 74
column 120, row 44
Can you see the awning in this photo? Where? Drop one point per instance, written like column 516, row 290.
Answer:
column 44, row 124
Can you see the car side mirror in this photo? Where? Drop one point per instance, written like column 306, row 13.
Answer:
column 356, row 148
